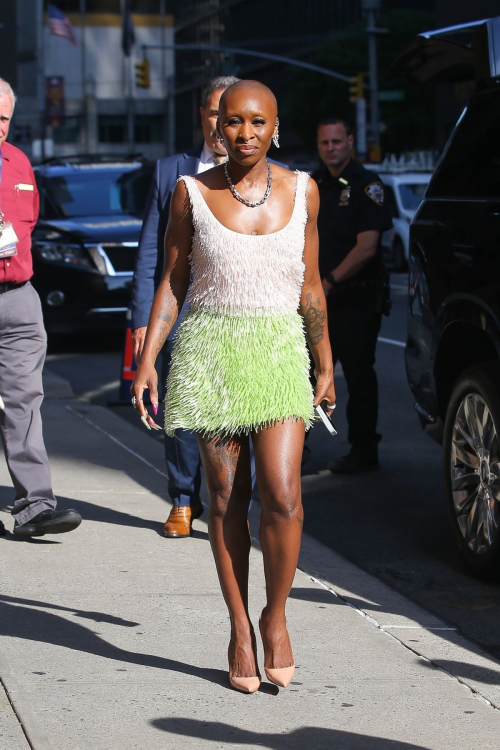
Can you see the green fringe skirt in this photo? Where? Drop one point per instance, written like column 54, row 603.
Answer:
column 231, row 374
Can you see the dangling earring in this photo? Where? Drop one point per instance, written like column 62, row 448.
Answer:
column 276, row 136
column 218, row 134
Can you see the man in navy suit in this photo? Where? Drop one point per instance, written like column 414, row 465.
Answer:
column 181, row 452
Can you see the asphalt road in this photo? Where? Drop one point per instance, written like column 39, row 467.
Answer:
column 391, row 523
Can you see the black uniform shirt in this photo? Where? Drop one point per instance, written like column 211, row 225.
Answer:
column 349, row 204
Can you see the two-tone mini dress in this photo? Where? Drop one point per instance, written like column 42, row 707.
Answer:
column 240, row 361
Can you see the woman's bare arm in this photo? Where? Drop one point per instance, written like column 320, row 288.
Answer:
column 313, row 305
column 169, row 296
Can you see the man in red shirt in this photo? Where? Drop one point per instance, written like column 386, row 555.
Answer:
column 23, row 344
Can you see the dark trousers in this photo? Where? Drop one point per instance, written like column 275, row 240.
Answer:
column 181, row 453
column 353, row 337
column 23, row 343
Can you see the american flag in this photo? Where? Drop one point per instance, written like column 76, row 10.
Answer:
column 59, row 25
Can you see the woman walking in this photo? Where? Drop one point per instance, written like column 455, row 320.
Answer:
column 245, row 234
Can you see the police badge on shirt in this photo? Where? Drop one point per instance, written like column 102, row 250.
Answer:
column 375, row 191
column 345, row 193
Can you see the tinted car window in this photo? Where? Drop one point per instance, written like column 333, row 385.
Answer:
column 411, row 195
column 471, row 166
column 101, row 191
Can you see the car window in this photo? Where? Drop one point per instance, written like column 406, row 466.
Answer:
column 411, row 194
column 47, row 209
column 390, row 201
column 101, row 192
column 471, row 166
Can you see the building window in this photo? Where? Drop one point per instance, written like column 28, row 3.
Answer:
column 68, row 131
column 112, row 128
column 22, row 135
column 148, row 128
column 112, row 6
column 145, row 6
column 91, row 6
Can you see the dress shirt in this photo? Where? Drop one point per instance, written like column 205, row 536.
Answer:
column 19, row 202
column 207, row 160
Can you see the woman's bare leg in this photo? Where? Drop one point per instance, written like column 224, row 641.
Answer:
column 278, row 452
column 226, row 463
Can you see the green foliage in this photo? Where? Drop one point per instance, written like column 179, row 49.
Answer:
column 409, row 123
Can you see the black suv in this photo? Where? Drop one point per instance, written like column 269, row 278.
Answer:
column 453, row 346
column 85, row 241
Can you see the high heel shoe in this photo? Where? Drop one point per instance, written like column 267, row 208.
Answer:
column 279, row 676
column 244, row 684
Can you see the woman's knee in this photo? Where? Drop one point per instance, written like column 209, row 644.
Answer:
column 226, row 501
column 284, row 501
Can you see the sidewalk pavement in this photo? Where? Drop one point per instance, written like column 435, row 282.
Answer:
column 113, row 637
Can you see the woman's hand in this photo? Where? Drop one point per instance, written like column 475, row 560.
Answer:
column 325, row 391
column 145, row 378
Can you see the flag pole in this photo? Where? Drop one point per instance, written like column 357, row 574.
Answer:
column 43, row 68
column 84, row 76
column 128, row 41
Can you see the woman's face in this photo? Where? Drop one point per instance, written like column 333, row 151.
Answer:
column 247, row 122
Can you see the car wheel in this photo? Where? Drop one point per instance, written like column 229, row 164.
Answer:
column 398, row 255
column 471, row 455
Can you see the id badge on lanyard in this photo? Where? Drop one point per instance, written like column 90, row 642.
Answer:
column 8, row 237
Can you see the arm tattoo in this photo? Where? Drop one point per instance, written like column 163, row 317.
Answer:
column 166, row 317
column 314, row 319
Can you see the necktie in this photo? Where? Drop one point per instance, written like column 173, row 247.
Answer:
column 219, row 158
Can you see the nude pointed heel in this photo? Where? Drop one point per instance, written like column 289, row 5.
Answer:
column 244, row 684
column 282, row 676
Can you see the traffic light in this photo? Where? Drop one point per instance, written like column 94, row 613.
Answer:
column 142, row 79
column 356, row 88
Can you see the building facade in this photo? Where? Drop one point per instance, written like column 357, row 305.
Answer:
column 83, row 97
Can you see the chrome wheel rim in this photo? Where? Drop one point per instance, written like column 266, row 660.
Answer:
column 475, row 474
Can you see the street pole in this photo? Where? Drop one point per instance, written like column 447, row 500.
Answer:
column 42, row 69
column 168, row 85
column 371, row 8
column 171, row 115
column 84, row 77
column 361, row 129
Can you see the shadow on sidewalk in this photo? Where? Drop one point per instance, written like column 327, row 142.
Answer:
column 322, row 596
column 305, row 737
column 22, row 621
column 94, row 512
column 462, row 670
column 95, row 616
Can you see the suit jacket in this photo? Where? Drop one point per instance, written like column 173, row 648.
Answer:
column 149, row 260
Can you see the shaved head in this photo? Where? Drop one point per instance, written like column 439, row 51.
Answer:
column 252, row 88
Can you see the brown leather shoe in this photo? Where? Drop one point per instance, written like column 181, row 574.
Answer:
column 180, row 520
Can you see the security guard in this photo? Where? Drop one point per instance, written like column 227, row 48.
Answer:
column 351, row 220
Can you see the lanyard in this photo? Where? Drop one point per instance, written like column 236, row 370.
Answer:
column 1, row 162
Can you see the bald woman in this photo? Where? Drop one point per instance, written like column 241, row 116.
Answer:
column 245, row 233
